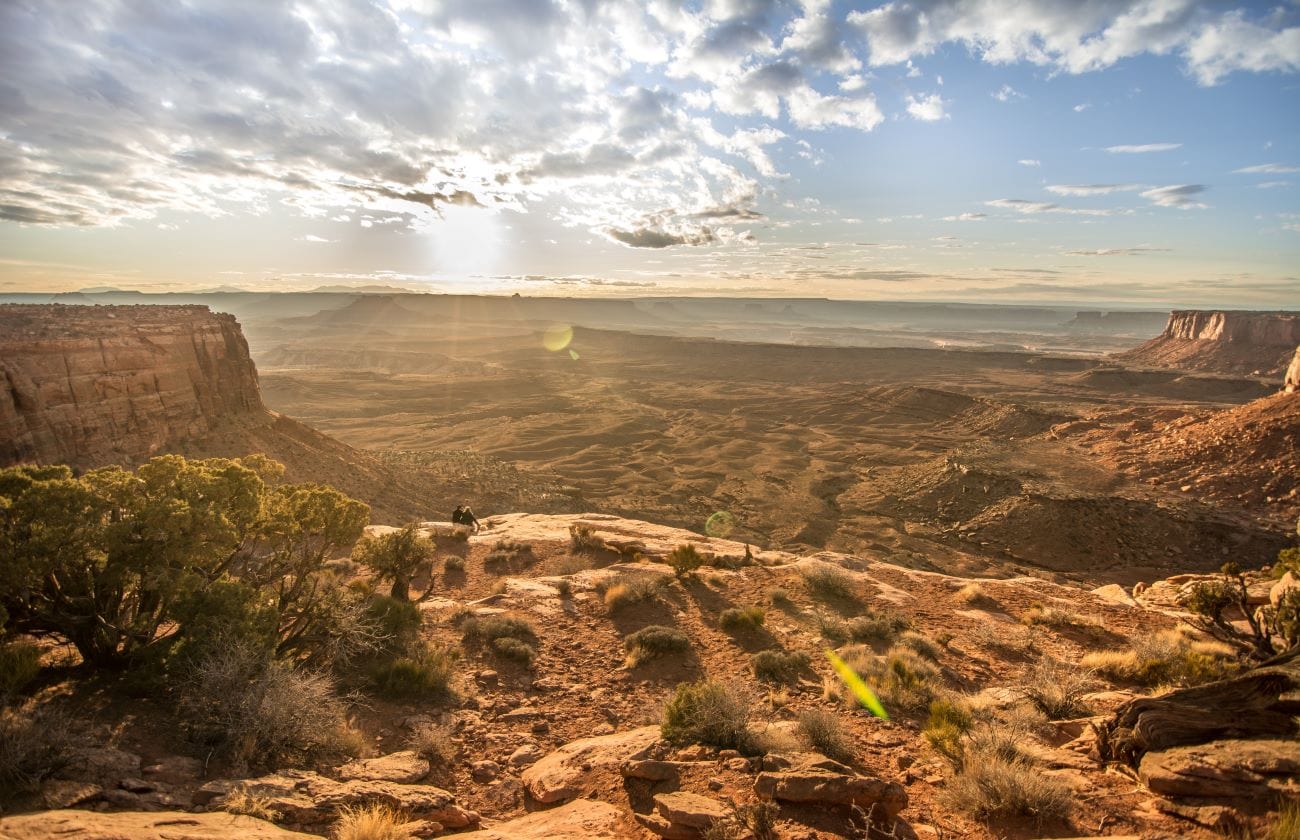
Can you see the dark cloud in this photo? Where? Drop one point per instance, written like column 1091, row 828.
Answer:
column 658, row 238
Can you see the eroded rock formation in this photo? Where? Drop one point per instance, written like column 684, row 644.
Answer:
column 87, row 385
column 1292, row 382
column 1255, row 343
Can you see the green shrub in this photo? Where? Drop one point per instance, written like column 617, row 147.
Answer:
column 709, row 713
column 516, row 650
column 395, row 557
column 1288, row 560
column 828, row 583
column 742, row 619
column 454, row 564
column 396, row 622
column 20, row 662
column 879, row 628
column 684, row 560
column 948, row 723
column 654, row 641
column 825, row 733
column 425, row 674
column 583, row 538
column 777, row 666
column 486, row 629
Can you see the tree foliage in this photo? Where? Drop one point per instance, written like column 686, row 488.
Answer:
column 125, row 563
column 395, row 557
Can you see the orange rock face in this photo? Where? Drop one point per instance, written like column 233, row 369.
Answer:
column 1292, row 382
column 1223, row 342
column 91, row 385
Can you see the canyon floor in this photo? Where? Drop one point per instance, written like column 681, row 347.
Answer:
column 968, row 462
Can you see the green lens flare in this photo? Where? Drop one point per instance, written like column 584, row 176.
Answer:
column 557, row 337
column 720, row 524
column 860, row 690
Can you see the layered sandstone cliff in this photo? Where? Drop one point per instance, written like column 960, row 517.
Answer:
column 90, row 385
column 1250, row 343
column 1292, row 382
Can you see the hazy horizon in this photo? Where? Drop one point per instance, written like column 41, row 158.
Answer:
column 1105, row 154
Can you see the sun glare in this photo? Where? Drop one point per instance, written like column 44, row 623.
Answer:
column 468, row 242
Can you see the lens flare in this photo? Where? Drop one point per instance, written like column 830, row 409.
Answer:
column 860, row 689
column 573, row 354
column 557, row 337
column 720, row 524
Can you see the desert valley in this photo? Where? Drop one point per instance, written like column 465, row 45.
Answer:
column 1009, row 521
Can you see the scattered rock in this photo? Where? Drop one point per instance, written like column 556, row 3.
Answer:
column 564, row 773
column 525, row 755
column 682, row 816
column 583, row 819
column 64, row 793
column 826, row 788
column 484, row 771
column 653, row 770
column 174, row 770
column 161, row 825
column 1226, row 769
column 401, row 767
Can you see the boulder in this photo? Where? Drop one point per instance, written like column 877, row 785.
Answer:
column 653, row 770
column 401, row 767
column 1116, row 594
column 821, row 787
column 564, row 774
column 582, row 819
column 308, row 798
column 1284, row 585
column 1229, row 769
column 682, row 816
column 158, row 825
column 173, row 770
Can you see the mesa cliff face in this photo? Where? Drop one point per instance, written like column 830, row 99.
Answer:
column 1292, row 382
column 1252, row 343
column 89, row 385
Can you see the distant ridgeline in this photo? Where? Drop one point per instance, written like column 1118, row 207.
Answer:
column 88, row 385
column 1240, row 343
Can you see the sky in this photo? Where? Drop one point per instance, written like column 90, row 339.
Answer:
column 1133, row 153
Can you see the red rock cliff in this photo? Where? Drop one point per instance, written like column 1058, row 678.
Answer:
column 1252, row 343
column 90, row 385
column 1292, row 382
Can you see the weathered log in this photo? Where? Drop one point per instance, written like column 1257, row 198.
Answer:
column 1246, row 706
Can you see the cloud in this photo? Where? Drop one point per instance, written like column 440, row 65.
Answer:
column 966, row 217
column 1021, row 205
column 926, row 108
column 1030, row 162
column 1084, row 36
column 1270, row 185
column 1091, row 189
column 1081, row 107
column 1143, row 149
column 311, row 237
column 1006, row 93
column 1116, row 252
column 1179, row 196
column 1268, row 169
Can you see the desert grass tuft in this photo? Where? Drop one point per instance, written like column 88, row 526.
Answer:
column 710, row 713
column 629, row 590
column 991, row 787
column 425, row 673
column 828, row 583
column 742, row 619
column 433, row 743
column 973, row 595
column 372, row 821
column 1057, row 689
column 1170, row 657
column 20, row 662
column 778, row 666
column 242, row 800
column 949, row 722
column 653, row 642
column 825, row 733
column 900, row 678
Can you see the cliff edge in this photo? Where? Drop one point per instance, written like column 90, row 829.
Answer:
column 88, row 385
column 1238, row 343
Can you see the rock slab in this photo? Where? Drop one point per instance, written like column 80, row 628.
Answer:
column 583, row 819
column 563, row 774
column 161, row 825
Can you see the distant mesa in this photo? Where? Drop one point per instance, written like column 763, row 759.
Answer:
column 1236, row 343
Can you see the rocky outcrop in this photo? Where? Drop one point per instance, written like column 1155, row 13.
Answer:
column 683, row 816
column 160, row 825
column 89, row 385
column 1291, row 384
column 1249, row 343
column 582, row 819
column 1228, row 769
column 565, row 773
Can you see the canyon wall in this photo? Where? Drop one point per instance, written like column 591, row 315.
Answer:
column 1239, row 343
column 94, row 385
column 1292, row 382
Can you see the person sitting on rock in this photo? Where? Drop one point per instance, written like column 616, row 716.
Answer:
column 462, row 515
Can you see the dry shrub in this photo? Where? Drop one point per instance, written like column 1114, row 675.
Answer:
column 992, row 786
column 780, row 598
column 243, row 801
column 1287, row 824
column 653, row 642
column 742, row 619
column 583, row 538
column 778, row 666
column 919, row 645
column 264, row 712
column 1057, row 689
column 371, row 822
column 973, row 595
column 900, row 678
column 949, row 722
column 1057, row 618
column 707, row 712
column 505, row 554
column 751, row 821
column 828, row 583
column 34, row 743
column 1170, row 657
column 516, row 650
column 628, row 590
column 20, row 662
column 825, row 733
column 685, row 559
column 879, row 628
column 426, row 673
column 432, row 743
column 454, row 564
column 1005, row 638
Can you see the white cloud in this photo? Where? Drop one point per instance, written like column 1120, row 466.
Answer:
column 1006, row 93
column 1081, row 107
column 1268, row 169
column 1178, row 196
column 1091, row 189
column 1116, row 252
column 1079, row 37
column 311, row 237
column 1031, row 162
column 967, row 217
column 927, row 108
column 1272, row 185
column 1143, row 149
column 1021, row 205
